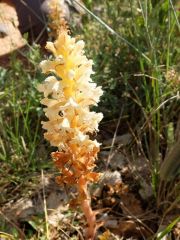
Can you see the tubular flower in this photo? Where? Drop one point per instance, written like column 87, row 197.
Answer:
column 68, row 95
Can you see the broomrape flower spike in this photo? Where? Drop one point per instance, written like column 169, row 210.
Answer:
column 68, row 95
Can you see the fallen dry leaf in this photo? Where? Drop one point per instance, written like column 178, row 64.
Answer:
column 130, row 204
column 130, row 228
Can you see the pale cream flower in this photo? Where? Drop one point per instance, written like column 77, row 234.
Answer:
column 68, row 95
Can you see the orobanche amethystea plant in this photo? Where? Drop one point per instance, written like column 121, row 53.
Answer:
column 68, row 95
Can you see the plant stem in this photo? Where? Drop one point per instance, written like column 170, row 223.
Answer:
column 86, row 208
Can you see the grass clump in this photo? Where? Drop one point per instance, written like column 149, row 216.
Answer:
column 22, row 150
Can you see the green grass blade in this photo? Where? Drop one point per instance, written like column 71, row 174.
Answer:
column 168, row 228
column 175, row 15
